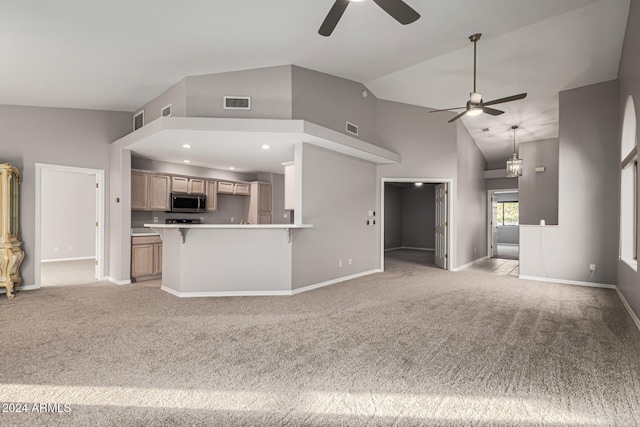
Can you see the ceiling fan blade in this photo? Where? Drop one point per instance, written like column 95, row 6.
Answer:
column 399, row 10
column 446, row 109
column 334, row 15
column 492, row 111
column 507, row 99
column 458, row 116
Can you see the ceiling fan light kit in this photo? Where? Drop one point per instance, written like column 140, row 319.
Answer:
column 398, row 9
column 475, row 105
column 514, row 164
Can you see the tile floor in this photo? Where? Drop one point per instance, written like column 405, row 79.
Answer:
column 503, row 267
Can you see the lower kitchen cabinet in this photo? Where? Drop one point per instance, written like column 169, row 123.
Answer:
column 146, row 257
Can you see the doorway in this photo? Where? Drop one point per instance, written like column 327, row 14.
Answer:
column 415, row 222
column 69, row 225
column 503, row 228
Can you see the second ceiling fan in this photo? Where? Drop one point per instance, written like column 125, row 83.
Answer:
column 476, row 105
column 398, row 9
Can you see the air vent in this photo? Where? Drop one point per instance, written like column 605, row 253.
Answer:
column 138, row 120
column 351, row 128
column 166, row 111
column 237, row 102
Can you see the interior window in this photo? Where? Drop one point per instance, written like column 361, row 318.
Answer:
column 629, row 187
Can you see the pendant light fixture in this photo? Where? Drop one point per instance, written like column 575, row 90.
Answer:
column 514, row 164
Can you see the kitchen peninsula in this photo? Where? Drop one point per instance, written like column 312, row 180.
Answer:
column 227, row 259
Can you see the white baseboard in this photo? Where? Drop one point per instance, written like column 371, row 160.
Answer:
column 266, row 293
column 410, row 248
column 119, row 282
column 628, row 307
column 334, row 281
column 569, row 282
column 469, row 264
column 68, row 259
column 21, row 288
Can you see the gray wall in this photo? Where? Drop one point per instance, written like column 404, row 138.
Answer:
column 59, row 136
column 68, row 207
column 588, row 208
column 470, row 220
column 629, row 84
column 419, row 216
column 501, row 183
column 509, row 234
column 392, row 216
column 426, row 142
column 331, row 101
column 269, row 89
column 337, row 204
column 176, row 95
column 539, row 190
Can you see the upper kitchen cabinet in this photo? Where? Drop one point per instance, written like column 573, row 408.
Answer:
column 182, row 184
column 237, row 188
column 149, row 191
column 212, row 196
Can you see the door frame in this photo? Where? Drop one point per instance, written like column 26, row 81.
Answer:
column 489, row 194
column 100, row 215
column 450, row 216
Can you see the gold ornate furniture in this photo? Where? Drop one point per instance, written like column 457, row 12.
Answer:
column 11, row 255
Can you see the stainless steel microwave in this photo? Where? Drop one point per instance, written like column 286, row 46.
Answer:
column 188, row 203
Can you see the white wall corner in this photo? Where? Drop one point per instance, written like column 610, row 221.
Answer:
column 633, row 315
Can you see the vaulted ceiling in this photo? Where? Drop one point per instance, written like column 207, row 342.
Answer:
column 117, row 55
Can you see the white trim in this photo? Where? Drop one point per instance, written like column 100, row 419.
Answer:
column 100, row 215
column 20, row 289
column 334, row 281
column 267, row 293
column 469, row 264
column 410, row 248
column 118, row 282
column 450, row 214
column 633, row 315
column 68, row 259
column 632, row 263
column 490, row 193
column 568, row 282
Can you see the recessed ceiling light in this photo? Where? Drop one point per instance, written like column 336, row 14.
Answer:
column 187, row 161
column 266, row 147
column 485, row 130
column 418, row 184
column 232, row 168
column 186, row 145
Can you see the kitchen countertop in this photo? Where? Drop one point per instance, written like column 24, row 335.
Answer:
column 140, row 232
column 227, row 226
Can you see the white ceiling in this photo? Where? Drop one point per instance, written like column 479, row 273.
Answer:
column 119, row 54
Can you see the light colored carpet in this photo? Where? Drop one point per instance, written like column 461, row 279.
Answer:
column 414, row 346
column 65, row 273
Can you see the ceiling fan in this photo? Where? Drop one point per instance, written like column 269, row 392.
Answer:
column 398, row 9
column 476, row 105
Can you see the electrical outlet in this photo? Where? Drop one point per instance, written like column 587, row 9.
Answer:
column 70, row 248
column 286, row 215
column 339, row 263
column 350, row 261
column 233, row 219
column 201, row 219
column 368, row 222
column 374, row 222
column 155, row 219
column 592, row 267
column 371, row 213
column 56, row 249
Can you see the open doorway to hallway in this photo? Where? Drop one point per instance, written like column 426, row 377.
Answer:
column 504, row 224
column 415, row 222
column 69, row 232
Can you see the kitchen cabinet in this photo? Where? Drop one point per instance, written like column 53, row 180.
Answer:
column 146, row 257
column 238, row 188
column 149, row 192
column 183, row 184
column 212, row 196
column 259, row 207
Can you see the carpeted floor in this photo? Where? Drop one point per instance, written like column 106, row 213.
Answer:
column 414, row 346
column 65, row 273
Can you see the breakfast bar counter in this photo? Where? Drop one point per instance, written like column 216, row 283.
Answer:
column 227, row 259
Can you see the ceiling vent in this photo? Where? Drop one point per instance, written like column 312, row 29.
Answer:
column 138, row 120
column 237, row 103
column 166, row 111
column 351, row 128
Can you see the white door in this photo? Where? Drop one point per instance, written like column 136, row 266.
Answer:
column 494, row 225
column 441, row 256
